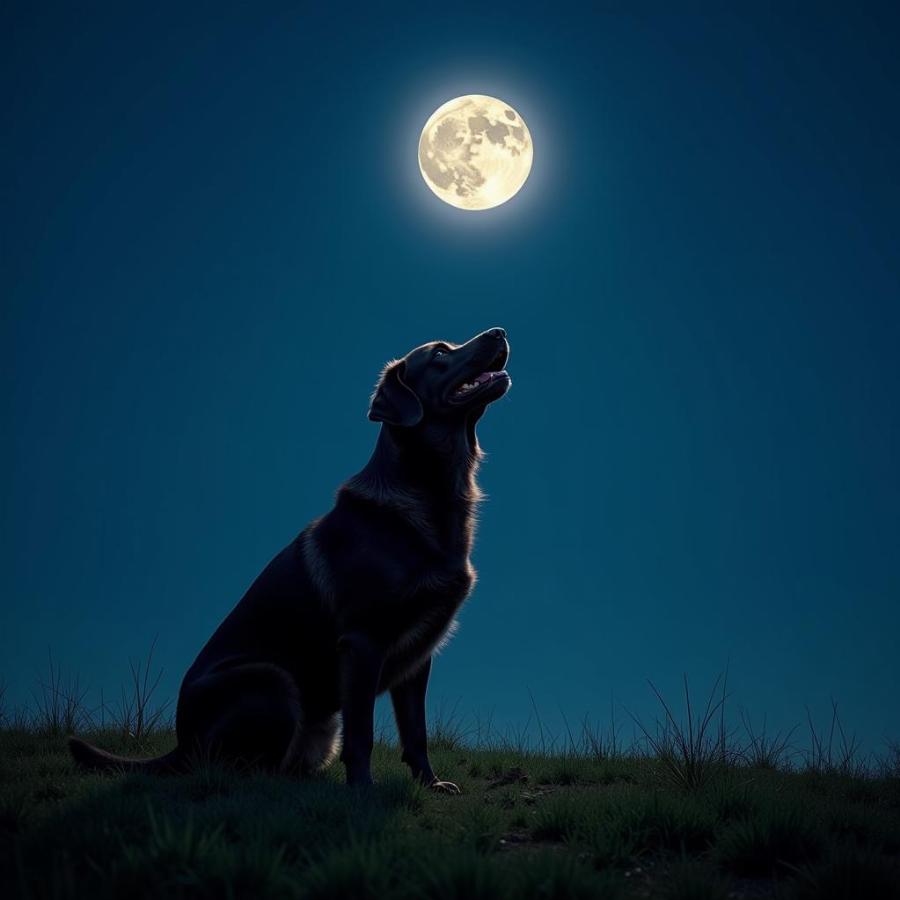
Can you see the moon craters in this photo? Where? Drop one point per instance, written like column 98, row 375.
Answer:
column 471, row 156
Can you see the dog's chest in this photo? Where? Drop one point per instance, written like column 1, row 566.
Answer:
column 428, row 621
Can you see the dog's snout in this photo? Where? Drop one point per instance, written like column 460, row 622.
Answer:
column 497, row 333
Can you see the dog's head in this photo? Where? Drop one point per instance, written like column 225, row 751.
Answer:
column 443, row 384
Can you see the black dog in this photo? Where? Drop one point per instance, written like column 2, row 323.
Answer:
column 360, row 600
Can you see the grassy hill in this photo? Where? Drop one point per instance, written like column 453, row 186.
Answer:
column 528, row 825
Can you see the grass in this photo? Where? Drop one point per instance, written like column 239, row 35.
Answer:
column 690, row 749
column 762, row 845
column 136, row 716
column 689, row 813
column 528, row 825
column 764, row 750
column 59, row 702
column 834, row 751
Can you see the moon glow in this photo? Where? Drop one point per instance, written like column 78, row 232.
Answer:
column 475, row 152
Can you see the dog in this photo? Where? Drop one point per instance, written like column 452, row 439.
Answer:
column 360, row 601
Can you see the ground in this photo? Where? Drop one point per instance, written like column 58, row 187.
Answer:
column 527, row 825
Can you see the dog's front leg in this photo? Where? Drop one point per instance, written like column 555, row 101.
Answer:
column 360, row 670
column 408, row 698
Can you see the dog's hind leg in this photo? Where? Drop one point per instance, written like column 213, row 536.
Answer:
column 247, row 715
column 316, row 744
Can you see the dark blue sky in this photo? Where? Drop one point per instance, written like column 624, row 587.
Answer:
column 215, row 233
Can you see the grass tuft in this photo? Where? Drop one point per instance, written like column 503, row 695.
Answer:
column 137, row 718
column 691, row 879
column 831, row 750
column 690, row 751
column 359, row 870
column 60, row 702
column 848, row 874
column 765, row 751
column 767, row 845
column 554, row 877
column 464, row 875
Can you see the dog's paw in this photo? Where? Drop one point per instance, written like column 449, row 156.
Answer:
column 444, row 787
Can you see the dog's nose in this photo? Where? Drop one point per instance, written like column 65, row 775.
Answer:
column 497, row 333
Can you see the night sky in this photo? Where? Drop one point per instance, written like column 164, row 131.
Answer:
column 215, row 233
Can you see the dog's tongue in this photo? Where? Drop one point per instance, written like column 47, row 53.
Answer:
column 485, row 376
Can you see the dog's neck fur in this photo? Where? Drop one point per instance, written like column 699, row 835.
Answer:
column 428, row 476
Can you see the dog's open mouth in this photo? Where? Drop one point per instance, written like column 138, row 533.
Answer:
column 493, row 373
column 467, row 387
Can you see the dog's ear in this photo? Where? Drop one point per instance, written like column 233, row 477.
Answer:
column 394, row 401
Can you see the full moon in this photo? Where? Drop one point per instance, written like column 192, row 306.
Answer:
column 475, row 152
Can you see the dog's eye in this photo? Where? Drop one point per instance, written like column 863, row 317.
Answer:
column 438, row 354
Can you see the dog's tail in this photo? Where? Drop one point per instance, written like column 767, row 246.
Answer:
column 92, row 758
